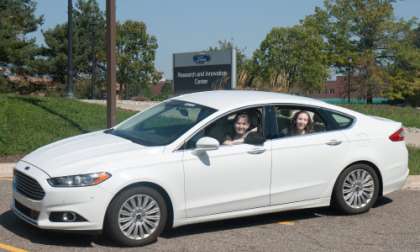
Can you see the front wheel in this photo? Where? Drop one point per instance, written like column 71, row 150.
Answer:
column 356, row 190
column 136, row 216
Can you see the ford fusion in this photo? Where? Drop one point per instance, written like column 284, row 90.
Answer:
column 209, row 156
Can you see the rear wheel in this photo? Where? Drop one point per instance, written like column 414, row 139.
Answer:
column 136, row 217
column 356, row 190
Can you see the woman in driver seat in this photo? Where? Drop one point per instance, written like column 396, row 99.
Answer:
column 241, row 126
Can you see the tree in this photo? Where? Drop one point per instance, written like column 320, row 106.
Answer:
column 402, row 74
column 17, row 19
column 365, row 31
column 241, row 60
column 88, row 43
column 292, row 57
column 136, row 51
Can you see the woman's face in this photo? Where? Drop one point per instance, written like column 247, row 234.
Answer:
column 241, row 125
column 301, row 121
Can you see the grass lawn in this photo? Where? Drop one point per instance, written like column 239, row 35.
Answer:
column 410, row 117
column 27, row 123
column 414, row 160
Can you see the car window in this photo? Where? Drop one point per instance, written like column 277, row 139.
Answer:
column 340, row 120
column 293, row 121
column 163, row 123
column 225, row 131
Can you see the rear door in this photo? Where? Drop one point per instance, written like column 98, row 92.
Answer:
column 303, row 166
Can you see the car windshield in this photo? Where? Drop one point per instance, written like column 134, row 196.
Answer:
column 163, row 123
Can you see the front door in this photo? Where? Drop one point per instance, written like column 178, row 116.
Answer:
column 231, row 178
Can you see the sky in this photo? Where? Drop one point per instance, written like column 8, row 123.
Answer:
column 195, row 25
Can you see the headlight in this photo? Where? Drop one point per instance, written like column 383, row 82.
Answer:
column 79, row 180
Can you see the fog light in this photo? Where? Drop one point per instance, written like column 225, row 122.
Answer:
column 69, row 216
column 66, row 217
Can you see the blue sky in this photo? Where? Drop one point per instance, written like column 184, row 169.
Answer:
column 194, row 25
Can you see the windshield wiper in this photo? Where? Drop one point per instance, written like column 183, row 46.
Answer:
column 109, row 131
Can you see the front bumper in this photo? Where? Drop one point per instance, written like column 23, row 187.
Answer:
column 89, row 202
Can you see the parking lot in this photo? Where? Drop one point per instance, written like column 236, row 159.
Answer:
column 392, row 225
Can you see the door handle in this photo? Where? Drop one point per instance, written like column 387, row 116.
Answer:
column 257, row 150
column 334, row 142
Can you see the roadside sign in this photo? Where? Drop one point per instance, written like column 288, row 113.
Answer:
column 206, row 70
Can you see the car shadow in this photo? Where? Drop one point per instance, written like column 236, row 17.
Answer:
column 59, row 238
column 12, row 223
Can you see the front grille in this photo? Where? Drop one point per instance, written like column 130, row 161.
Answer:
column 28, row 186
column 27, row 211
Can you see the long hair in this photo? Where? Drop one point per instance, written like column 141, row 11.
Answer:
column 308, row 127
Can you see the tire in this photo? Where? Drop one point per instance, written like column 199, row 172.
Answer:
column 356, row 189
column 130, row 227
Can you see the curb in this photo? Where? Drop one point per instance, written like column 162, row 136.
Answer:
column 6, row 170
column 413, row 181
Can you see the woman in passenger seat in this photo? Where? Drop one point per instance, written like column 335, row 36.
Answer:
column 241, row 129
column 301, row 123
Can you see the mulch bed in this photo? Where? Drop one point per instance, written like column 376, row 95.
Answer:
column 10, row 159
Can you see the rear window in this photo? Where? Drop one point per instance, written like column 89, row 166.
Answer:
column 341, row 121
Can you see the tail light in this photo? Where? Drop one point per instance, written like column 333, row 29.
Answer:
column 397, row 135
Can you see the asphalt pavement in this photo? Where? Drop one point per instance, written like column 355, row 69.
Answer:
column 392, row 225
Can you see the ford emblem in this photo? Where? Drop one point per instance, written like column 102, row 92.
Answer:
column 201, row 58
column 27, row 168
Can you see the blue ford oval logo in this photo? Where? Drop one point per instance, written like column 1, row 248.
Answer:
column 201, row 58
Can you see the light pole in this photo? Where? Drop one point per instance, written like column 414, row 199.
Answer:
column 111, row 63
column 348, row 79
column 70, row 87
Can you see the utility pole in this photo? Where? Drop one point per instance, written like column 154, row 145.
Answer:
column 349, row 70
column 93, row 47
column 111, row 62
column 70, row 86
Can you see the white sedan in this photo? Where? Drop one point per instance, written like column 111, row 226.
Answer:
column 209, row 156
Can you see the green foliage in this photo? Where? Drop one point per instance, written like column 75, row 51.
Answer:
column 88, row 44
column 136, row 51
column 365, row 38
column 292, row 57
column 17, row 19
column 241, row 59
column 27, row 123
column 56, row 52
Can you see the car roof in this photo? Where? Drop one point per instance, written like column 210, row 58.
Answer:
column 227, row 99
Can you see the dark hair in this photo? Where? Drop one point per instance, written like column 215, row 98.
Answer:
column 242, row 115
column 308, row 127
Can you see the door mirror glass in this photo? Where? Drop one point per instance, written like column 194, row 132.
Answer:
column 254, row 138
column 206, row 144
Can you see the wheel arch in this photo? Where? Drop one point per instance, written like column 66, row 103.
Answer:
column 158, row 188
column 366, row 162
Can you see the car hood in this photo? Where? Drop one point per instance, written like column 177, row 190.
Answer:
column 86, row 153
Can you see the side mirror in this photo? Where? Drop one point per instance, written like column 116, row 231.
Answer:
column 206, row 144
column 254, row 138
